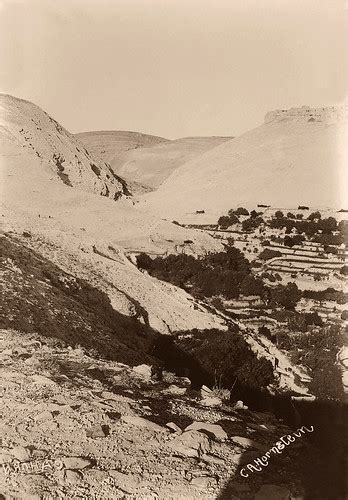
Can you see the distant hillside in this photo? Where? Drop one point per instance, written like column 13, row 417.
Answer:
column 148, row 160
column 296, row 157
column 28, row 132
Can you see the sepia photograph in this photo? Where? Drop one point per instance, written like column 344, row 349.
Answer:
column 173, row 249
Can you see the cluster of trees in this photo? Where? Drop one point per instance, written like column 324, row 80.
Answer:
column 327, row 294
column 227, row 357
column 317, row 350
column 319, row 229
column 219, row 273
column 232, row 218
column 225, row 274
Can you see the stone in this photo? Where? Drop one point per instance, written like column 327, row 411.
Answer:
column 5, row 457
column 239, row 405
column 248, row 443
column 45, row 415
column 41, row 380
column 174, row 389
column 143, row 422
column 203, row 482
column 98, row 431
column 212, row 459
column 21, row 454
column 191, row 444
column 205, row 391
column 211, row 401
column 272, row 492
column 174, row 427
column 75, row 462
column 143, row 371
column 214, row 429
column 72, row 476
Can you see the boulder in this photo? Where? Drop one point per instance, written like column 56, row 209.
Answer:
column 191, row 444
column 248, row 443
column 143, row 371
column 98, row 431
column 214, row 429
column 143, row 422
column 21, row 454
column 211, row 401
column 174, row 427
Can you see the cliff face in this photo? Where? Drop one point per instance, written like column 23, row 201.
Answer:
column 328, row 115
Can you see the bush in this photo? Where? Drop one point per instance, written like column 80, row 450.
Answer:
column 279, row 214
column 144, row 262
column 268, row 254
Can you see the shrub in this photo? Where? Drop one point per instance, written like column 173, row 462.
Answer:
column 279, row 214
column 241, row 211
column 144, row 261
column 268, row 254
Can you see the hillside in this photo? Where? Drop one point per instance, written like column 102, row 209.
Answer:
column 297, row 157
column 146, row 159
column 28, row 132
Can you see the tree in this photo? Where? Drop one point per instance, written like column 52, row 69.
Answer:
column 251, row 286
column 290, row 215
column 144, row 261
column 288, row 241
column 286, row 296
column 224, row 221
column 314, row 216
column 241, row 211
column 268, row 254
column 279, row 214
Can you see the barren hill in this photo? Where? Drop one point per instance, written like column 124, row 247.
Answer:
column 296, row 157
column 146, row 159
column 28, row 132
column 90, row 235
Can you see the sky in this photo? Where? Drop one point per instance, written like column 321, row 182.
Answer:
column 173, row 68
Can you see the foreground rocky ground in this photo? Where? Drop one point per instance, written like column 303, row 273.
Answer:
column 74, row 426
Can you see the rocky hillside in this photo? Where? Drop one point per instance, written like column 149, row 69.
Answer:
column 77, row 426
column 144, row 159
column 296, row 157
column 28, row 131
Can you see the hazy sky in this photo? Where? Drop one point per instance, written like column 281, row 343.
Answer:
column 173, row 67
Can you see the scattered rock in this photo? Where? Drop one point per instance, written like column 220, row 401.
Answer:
column 205, row 391
column 212, row 459
column 191, row 444
column 174, row 427
column 239, row 405
column 98, row 431
column 272, row 492
column 75, row 462
column 214, row 429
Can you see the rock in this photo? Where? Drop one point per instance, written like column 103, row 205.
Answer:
column 240, row 406
column 98, row 431
column 72, row 476
column 272, row 492
column 204, row 482
column 205, row 391
column 45, row 415
column 191, row 444
column 5, row 457
column 174, row 427
column 214, row 429
column 21, row 454
column 212, row 459
column 211, row 401
column 143, row 371
column 41, row 380
column 75, row 462
column 174, row 389
column 248, row 443
column 143, row 422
